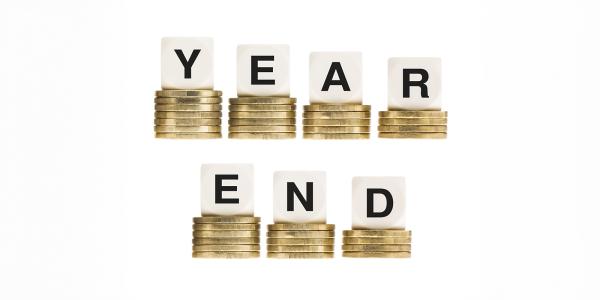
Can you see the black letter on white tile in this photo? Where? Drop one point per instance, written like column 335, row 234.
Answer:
column 187, row 64
column 421, row 83
column 307, row 202
column 254, row 69
column 389, row 204
column 219, row 189
column 335, row 67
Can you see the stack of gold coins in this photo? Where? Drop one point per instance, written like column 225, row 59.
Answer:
column 336, row 121
column 262, row 118
column 226, row 237
column 382, row 243
column 417, row 124
column 187, row 114
column 300, row 240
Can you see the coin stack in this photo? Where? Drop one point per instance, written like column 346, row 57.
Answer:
column 226, row 237
column 416, row 124
column 300, row 240
column 384, row 243
column 336, row 121
column 187, row 114
column 262, row 118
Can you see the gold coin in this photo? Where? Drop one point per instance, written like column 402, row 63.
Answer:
column 226, row 241
column 227, row 219
column 262, row 128
column 376, row 248
column 300, row 226
column 187, row 114
column 299, row 241
column 262, row 135
column 301, row 234
column 262, row 122
column 225, row 226
column 308, row 255
column 234, row 254
column 336, row 122
column 187, row 100
column 337, row 107
column 177, row 129
column 413, row 135
column 413, row 121
column 188, row 135
column 377, row 254
column 336, row 129
column 187, row 107
column 377, row 233
column 262, row 114
column 187, row 122
column 225, row 233
column 412, row 128
column 188, row 93
column 300, row 248
column 262, row 100
column 336, row 115
column 230, row 248
column 335, row 136
column 413, row 114
column 261, row 107
column 376, row 240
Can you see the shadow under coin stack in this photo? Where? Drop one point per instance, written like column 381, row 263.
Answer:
column 336, row 121
column 417, row 124
column 262, row 118
column 187, row 114
column 300, row 240
column 226, row 237
column 386, row 243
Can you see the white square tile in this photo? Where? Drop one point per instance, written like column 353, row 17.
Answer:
column 187, row 63
column 263, row 70
column 335, row 77
column 299, row 197
column 227, row 189
column 378, row 203
column 414, row 83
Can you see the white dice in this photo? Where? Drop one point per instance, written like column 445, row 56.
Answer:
column 378, row 203
column 335, row 77
column 414, row 83
column 263, row 70
column 299, row 197
column 227, row 189
column 187, row 63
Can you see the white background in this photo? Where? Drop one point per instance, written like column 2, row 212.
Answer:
column 93, row 207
